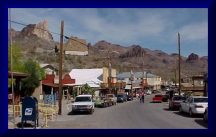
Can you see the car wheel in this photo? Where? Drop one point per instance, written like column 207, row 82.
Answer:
column 91, row 111
column 190, row 113
column 205, row 117
column 72, row 112
column 180, row 109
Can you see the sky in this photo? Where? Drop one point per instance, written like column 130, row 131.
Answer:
column 152, row 28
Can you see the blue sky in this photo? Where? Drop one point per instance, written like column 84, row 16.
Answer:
column 151, row 28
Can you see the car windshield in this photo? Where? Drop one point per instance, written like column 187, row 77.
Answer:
column 82, row 99
column 200, row 99
column 178, row 98
column 158, row 95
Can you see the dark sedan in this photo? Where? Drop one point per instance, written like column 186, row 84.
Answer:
column 129, row 98
column 174, row 103
column 121, row 98
column 165, row 98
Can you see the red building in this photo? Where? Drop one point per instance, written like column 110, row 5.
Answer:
column 50, row 85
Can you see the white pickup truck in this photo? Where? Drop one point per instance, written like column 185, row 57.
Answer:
column 194, row 105
column 83, row 103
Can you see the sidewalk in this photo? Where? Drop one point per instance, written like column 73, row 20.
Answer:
column 65, row 116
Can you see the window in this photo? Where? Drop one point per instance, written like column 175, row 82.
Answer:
column 200, row 99
column 82, row 99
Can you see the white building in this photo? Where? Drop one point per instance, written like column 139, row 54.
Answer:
column 152, row 80
column 49, row 69
column 92, row 77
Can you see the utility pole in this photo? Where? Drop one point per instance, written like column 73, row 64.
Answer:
column 175, row 76
column 110, row 75
column 179, row 64
column 60, row 68
column 132, row 78
column 11, row 65
column 175, row 72
column 143, row 72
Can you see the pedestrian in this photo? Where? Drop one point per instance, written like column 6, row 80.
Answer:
column 143, row 97
column 140, row 97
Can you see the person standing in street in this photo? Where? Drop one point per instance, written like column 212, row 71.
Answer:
column 142, row 98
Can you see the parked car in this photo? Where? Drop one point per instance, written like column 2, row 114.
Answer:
column 205, row 116
column 194, row 105
column 111, row 98
column 100, row 102
column 165, row 98
column 156, row 92
column 157, row 98
column 83, row 103
column 129, row 97
column 174, row 102
column 121, row 98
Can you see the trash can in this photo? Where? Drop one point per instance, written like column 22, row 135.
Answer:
column 30, row 110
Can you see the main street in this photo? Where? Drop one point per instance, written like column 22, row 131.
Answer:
column 131, row 114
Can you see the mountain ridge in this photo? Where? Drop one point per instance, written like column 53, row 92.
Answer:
column 122, row 58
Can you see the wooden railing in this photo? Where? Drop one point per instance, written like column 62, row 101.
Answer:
column 48, row 111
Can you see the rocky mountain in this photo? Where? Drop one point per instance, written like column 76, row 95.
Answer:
column 33, row 37
column 192, row 57
column 105, row 48
column 38, row 30
column 133, row 51
column 39, row 45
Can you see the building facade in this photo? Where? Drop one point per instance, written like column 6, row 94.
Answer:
column 145, row 78
column 76, row 46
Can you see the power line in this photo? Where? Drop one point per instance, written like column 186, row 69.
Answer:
column 35, row 27
column 66, row 37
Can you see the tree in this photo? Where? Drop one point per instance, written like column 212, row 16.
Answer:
column 33, row 80
column 86, row 89
column 17, row 63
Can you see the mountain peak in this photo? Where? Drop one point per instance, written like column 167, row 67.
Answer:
column 134, row 51
column 40, row 30
column 192, row 57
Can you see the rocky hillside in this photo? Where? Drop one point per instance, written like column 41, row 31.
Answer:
column 39, row 45
column 33, row 38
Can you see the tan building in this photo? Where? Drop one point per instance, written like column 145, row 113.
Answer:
column 106, row 75
column 196, row 85
column 76, row 46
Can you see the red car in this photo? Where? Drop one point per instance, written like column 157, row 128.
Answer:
column 157, row 98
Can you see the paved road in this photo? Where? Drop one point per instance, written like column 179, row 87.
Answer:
column 132, row 115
